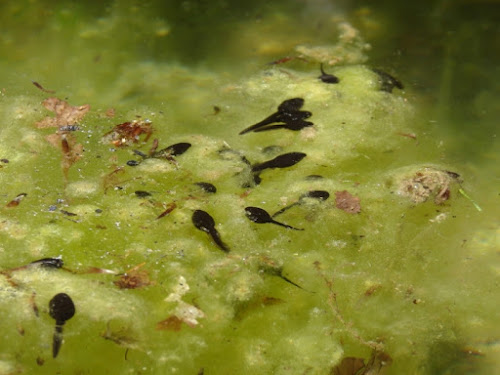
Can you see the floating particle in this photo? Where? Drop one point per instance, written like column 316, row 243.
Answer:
column 15, row 202
column 347, row 202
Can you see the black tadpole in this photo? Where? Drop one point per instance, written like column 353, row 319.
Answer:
column 207, row 187
column 289, row 116
column 261, row 216
column 387, row 81
column 327, row 78
column 206, row 223
column 280, row 161
column 48, row 263
column 61, row 309
column 315, row 194
column 172, row 150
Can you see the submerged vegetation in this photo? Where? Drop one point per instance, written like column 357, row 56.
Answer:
column 144, row 145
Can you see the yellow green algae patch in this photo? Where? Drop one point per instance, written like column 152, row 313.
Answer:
column 390, row 270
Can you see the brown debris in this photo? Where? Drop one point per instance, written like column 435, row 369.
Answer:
column 42, row 88
column 15, row 202
column 172, row 323
column 71, row 150
column 121, row 337
column 376, row 365
column 347, row 202
column 426, row 183
column 169, row 208
column 348, row 366
column 125, row 134
column 110, row 112
column 65, row 113
column 133, row 279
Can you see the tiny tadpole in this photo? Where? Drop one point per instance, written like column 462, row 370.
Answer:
column 280, row 161
column 61, row 309
column 206, row 187
column 206, row 223
column 48, row 263
column 327, row 78
column 320, row 195
column 261, row 216
column 387, row 81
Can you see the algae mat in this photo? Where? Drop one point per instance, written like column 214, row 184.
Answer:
column 270, row 194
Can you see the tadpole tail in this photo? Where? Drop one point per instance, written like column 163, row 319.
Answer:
column 284, row 278
column 218, row 241
column 272, row 127
column 284, row 209
column 57, row 340
column 286, row 225
column 266, row 121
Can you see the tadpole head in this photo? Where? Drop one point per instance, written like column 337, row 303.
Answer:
column 61, row 308
column 258, row 215
column 317, row 194
column 291, row 105
column 203, row 221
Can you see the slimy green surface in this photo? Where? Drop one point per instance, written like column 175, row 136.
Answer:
column 403, row 276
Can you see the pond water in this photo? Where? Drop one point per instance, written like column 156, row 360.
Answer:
column 128, row 186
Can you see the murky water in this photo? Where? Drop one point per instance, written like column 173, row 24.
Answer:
column 396, row 272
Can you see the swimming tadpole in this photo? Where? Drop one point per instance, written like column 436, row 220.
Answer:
column 61, row 309
column 206, row 223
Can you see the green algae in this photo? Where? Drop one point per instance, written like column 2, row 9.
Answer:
column 406, row 277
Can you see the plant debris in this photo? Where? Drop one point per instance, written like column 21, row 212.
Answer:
column 427, row 183
column 127, row 133
column 134, row 278
column 172, row 323
column 15, row 202
column 42, row 88
column 169, row 208
column 376, row 365
column 347, row 202
column 65, row 113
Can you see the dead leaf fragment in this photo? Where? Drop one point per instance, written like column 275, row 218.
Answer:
column 377, row 364
column 128, row 133
column 133, row 279
column 347, row 202
column 172, row 323
column 15, row 202
column 348, row 366
column 65, row 113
